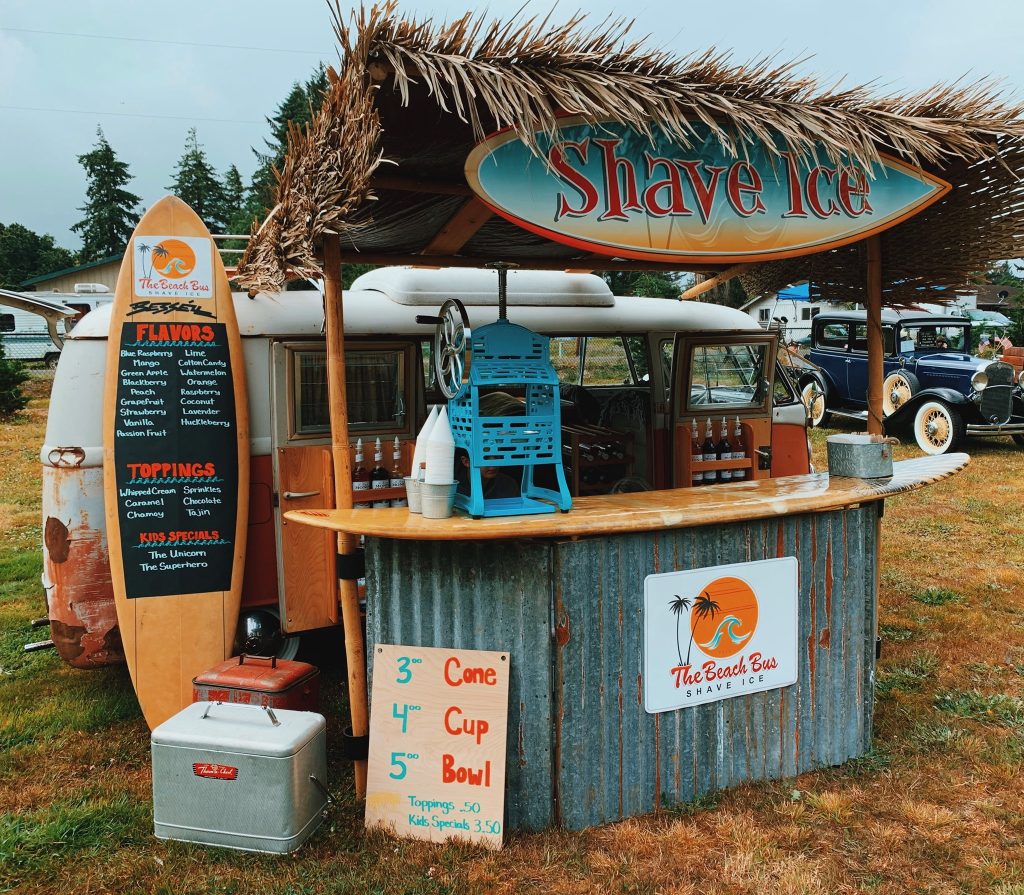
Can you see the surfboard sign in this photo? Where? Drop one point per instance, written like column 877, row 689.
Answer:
column 176, row 457
column 607, row 188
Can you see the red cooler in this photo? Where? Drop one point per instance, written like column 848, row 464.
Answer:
column 253, row 680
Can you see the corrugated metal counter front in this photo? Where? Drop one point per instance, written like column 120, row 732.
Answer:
column 569, row 609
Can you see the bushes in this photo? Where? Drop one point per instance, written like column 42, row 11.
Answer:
column 12, row 375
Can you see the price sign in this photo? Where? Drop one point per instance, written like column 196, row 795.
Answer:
column 437, row 743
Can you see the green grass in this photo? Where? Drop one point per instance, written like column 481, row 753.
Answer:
column 909, row 676
column 938, row 596
column 990, row 708
column 40, row 841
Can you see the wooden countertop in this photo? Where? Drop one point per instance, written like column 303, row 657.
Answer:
column 647, row 510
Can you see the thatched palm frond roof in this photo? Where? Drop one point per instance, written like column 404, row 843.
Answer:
column 419, row 95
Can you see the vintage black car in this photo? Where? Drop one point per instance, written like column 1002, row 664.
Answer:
column 934, row 388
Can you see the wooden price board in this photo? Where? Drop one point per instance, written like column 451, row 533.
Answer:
column 437, row 743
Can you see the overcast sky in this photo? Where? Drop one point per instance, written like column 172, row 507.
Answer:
column 67, row 66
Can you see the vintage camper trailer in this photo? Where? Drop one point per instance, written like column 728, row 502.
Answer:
column 636, row 373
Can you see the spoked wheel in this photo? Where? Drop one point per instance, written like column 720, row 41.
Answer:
column 938, row 428
column 453, row 354
column 813, row 396
column 898, row 388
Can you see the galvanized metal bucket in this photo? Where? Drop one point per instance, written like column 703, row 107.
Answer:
column 860, row 456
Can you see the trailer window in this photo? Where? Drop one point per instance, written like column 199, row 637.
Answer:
column 565, row 358
column 605, row 362
column 6, row 323
column 375, row 391
column 728, row 375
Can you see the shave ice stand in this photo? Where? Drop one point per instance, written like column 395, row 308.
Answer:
column 655, row 646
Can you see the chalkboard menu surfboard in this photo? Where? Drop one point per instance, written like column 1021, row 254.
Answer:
column 176, row 462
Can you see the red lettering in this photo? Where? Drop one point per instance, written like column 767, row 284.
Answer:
column 853, row 184
column 615, row 207
column 672, row 182
column 686, row 677
column 796, row 196
column 813, row 197
column 703, row 191
column 738, row 188
column 140, row 330
column 450, row 773
column 486, row 676
column 575, row 179
column 757, row 663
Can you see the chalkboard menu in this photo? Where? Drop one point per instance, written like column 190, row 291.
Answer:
column 176, row 458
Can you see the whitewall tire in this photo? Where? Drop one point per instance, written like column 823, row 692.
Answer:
column 938, row 428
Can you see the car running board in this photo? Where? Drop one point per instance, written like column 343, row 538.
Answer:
column 850, row 414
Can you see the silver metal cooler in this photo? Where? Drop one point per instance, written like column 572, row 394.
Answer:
column 239, row 776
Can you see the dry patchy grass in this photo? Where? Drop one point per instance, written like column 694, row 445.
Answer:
column 937, row 807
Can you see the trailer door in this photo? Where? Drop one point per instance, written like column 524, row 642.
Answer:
column 304, row 479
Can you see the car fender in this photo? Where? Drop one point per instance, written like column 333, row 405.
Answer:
column 824, row 381
column 904, row 416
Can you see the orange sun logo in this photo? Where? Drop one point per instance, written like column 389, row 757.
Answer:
column 173, row 259
column 724, row 617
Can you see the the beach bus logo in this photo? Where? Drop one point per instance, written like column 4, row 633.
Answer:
column 178, row 266
column 720, row 644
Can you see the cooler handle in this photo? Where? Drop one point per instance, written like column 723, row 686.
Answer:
column 243, row 657
column 266, row 708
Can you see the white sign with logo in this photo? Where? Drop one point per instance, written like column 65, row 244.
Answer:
column 173, row 266
column 714, row 633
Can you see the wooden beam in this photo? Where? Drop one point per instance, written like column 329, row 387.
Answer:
column 420, row 185
column 460, row 229
column 876, row 348
column 355, row 649
column 717, row 280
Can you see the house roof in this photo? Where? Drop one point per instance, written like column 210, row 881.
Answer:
column 419, row 95
column 42, row 278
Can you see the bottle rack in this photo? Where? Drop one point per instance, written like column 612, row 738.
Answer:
column 687, row 465
column 405, row 462
column 575, row 435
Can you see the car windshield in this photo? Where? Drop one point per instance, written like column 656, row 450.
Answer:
column 728, row 374
column 930, row 337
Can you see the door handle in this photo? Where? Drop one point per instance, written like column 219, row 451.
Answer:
column 296, row 495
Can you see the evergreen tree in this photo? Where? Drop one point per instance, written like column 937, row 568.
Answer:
column 297, row 107
column 195, row 182
column 110, row 215
column 25, row 254
column 653, row 284
column 233, row 199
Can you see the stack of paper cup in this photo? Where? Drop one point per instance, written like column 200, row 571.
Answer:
column 440, row 456
column 415, row 479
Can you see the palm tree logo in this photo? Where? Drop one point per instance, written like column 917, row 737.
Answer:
column 160, row 251
column 703, row 607
column 144, row 249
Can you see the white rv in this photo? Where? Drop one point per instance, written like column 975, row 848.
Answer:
column 635, row 372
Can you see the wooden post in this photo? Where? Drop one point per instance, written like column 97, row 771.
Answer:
column 355, row 650
column 876, row 348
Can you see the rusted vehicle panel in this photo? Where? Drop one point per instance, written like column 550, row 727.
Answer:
column 76, row 569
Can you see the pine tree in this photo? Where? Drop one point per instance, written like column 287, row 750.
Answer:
column 110, row 215
column 298, row 108
column 233, row 199
column 195, row 182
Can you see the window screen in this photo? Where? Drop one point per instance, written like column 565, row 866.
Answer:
column 727, row 375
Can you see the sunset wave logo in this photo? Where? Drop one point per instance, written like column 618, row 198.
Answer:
column 722, row 618
column 173, row 259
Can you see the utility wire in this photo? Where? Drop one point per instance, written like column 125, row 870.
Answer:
column 173, row 43
column 131, row 115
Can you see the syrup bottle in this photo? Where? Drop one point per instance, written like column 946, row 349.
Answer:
column 379, row 477
column 696, row 454
column 710, row 453
column 724, row 451
column 397, row 479
column 737, row 450
column 360, row 477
